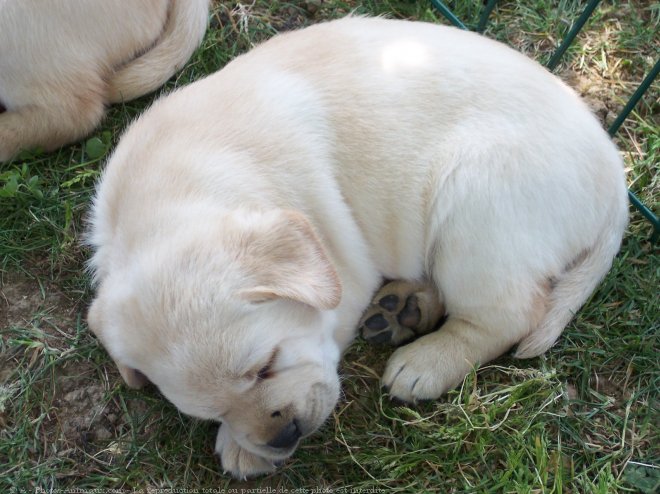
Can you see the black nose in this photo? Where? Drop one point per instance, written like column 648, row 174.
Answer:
column 287, row 437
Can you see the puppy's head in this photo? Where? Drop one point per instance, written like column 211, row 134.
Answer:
column 232, row 322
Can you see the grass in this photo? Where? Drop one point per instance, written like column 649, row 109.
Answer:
column 581, row 419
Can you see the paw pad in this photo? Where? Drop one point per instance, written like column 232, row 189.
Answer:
column 401, row 311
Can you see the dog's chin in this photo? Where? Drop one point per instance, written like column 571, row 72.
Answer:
column 275, row 455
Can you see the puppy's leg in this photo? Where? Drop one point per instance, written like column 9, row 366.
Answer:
column 50, row 126
column 236, row 460
column 401, row 311
column 437, row 362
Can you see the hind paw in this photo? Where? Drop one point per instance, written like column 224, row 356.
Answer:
column 400, row 312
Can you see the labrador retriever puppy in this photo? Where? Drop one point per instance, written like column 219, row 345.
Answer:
column 244, row 222
column 62, row 61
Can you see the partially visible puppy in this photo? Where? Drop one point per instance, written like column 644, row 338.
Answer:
column 62, row 61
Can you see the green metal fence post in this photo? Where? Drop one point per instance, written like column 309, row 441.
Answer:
column 485, row 14
column 647, row 213
column 444, row 10
column 637, row 95
column 632, row 102
column 554, row 60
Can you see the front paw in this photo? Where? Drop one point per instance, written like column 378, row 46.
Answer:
column 238, row 461
column 422, row 371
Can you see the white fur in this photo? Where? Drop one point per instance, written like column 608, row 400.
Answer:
column 261, row 207
column 61, row 61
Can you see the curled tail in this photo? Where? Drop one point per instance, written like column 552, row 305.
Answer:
column 183, row 32
column 573, row 288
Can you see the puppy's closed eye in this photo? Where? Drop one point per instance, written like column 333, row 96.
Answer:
column 266, row 372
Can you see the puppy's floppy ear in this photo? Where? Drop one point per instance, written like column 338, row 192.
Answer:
column 285, row 259
column 96, row 322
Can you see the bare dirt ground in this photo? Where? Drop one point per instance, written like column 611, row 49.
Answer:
column 79, row 416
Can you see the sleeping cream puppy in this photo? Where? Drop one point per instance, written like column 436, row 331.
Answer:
column 244, row 222
column 62, row 61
